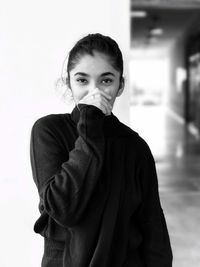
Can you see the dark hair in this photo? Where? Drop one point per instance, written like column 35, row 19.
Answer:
column 100, row 43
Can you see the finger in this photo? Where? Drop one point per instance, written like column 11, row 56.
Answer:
column 99, row 101
column 96, row 91
column 104, row 105
column 106, row 95
column 94, row 98
column 88, row 99
column 103, row 93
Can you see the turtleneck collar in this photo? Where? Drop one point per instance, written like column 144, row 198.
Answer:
column 112, row 125
column 75, row 114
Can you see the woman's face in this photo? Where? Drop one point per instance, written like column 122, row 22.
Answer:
column 95, row 72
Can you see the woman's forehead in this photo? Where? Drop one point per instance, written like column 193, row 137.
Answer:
column 97, row 63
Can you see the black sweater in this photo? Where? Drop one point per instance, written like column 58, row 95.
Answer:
column 98, row 190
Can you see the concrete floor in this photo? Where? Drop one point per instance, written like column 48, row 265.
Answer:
column 177, row 155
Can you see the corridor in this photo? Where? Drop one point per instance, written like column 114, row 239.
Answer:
column 177, row 154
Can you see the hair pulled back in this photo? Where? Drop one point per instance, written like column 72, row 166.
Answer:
column 96, row 42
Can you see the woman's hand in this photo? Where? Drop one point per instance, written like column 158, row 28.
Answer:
column 99, row 99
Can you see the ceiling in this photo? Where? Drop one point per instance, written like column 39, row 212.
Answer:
column 168, row 4
column 174, row 23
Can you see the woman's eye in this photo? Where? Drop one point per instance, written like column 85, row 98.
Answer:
column 107, row 81
column 81, row 80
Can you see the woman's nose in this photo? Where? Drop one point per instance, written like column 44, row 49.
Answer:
column 93, row 86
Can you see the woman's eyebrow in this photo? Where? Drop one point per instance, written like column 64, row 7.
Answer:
column 107, row 73
column 102, row 74
column 81, row 73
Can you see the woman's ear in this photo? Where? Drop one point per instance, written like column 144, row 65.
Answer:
column 68, row 82
column 121, row 87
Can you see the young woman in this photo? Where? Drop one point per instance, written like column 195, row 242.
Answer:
column 96, row 177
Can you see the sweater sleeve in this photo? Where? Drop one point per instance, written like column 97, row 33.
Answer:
column 65, row 187
column 156, row 247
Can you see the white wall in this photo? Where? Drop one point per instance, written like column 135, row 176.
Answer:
column 35, row 37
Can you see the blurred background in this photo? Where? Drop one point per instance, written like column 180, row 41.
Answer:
column 160, row 41
column 165, row 110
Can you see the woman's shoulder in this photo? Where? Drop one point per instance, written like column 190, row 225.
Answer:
column 135, row 138
column 129, row 132
column 51, row 121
